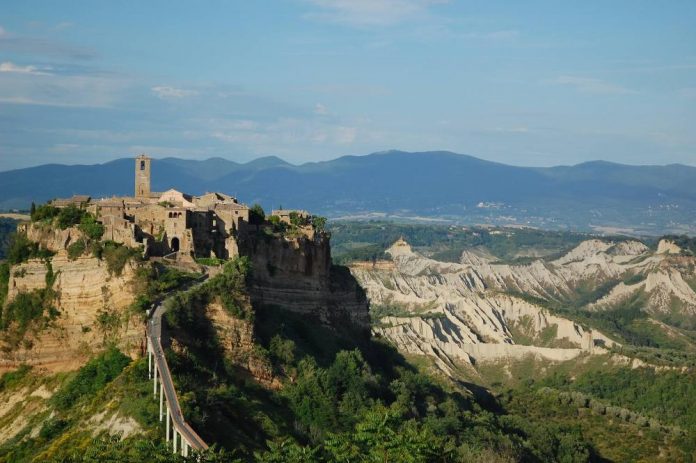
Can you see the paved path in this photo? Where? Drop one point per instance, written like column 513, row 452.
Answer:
column 154, row 334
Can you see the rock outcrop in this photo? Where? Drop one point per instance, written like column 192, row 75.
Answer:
column 93, row 309
column 49, row 237
column 296, row 273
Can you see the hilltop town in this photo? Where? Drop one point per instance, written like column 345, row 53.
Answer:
column 181, row 225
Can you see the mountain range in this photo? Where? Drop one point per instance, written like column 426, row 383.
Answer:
column 436, row 184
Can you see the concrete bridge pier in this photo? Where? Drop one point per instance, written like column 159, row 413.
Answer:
column 175, row 436
column 167, row 430
column 154, row 384
column 149, row 360
column 161, row 401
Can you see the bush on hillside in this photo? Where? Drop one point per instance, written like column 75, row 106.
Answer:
column 69, row 216
column 91, row 378
column 44, row 212
column 90, row 227
column 76, row 249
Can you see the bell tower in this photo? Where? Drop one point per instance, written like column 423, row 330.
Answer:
column 142, row 176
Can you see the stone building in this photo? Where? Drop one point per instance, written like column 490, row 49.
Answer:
column 284, row 214
column 172, row 221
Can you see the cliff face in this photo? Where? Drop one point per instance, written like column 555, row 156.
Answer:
column 237, row 339
column 461, row 310
column 296, row 273
column 48, row 237
column 93, row 309
column 449, row 312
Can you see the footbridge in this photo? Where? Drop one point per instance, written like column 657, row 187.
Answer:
column 177, row 430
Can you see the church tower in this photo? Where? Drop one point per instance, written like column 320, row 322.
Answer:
column 142, row 176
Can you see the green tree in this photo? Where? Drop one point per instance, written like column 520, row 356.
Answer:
column 319, row 223
column 89, row 225
column 70, row 216
column 256, row 214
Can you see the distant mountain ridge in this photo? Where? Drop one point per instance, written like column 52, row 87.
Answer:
column 426, row 184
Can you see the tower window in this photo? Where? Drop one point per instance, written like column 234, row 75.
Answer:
column 142, row 165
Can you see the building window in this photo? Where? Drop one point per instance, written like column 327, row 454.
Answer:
column 142, row 165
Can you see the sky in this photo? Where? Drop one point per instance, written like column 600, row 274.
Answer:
column 535, row 83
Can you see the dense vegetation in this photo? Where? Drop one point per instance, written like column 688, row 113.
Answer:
column 345, row 398
column 22, row 249
column 628, row 414
column 667, row 396
column 229, row 287
column 91, row 378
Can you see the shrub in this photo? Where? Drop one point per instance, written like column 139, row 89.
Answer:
column 210, row 261
column 70, row 216
column 91, row 378
column 282, row 350
column 256, row 214
column 22, row 249
column 44, row 212
column 117, row 256
column 76, row 249
column 296, row 220
column 319, row 223
column 34, row 306
column 11, row 378
column 90, row 227
column 4, row 282
column 52, row 428
column 278, row 225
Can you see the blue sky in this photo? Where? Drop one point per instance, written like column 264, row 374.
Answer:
column 527, row 83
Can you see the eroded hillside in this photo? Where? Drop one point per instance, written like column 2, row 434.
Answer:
column 480, row 309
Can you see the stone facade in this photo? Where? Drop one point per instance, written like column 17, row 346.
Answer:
column 172, row 222
column 142, row 176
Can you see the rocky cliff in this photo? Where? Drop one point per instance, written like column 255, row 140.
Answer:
column 93, row 309
column 49, row 237
column 296, row 273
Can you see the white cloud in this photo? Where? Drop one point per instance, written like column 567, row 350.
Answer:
column 62, row 90
column 370, row 12
column 9, row 66
column 591, row 85
column 269, row 136
column 320, row 109
column 3, row 32
column 165, row 92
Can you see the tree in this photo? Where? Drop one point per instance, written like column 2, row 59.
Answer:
column 256, row 214
column 90, row 227
column 319, row 223
column 69, row 216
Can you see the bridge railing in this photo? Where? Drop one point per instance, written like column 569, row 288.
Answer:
column 167, row 393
